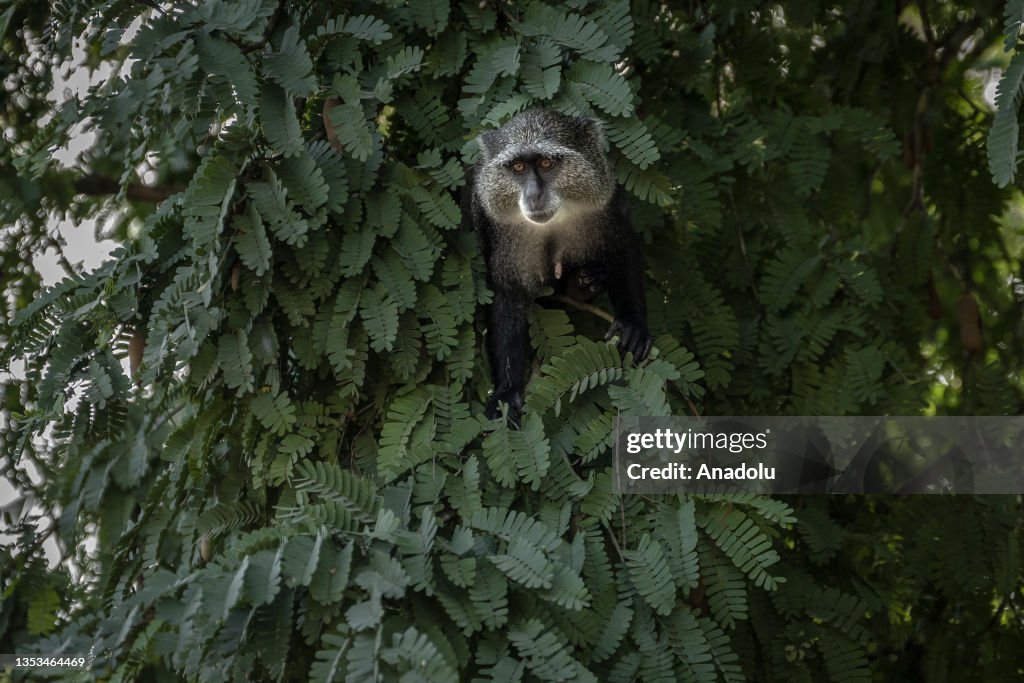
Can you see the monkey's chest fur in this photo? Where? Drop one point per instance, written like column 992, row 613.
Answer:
column 531, row 256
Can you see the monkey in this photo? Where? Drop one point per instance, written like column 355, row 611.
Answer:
column 548, row 212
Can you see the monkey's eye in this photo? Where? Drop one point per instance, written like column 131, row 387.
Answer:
column 546, row 164
column 518, row 167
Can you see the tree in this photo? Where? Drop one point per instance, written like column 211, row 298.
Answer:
column 256, row 432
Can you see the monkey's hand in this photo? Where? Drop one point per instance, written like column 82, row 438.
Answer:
column 632, row 336
column 592, row 278
column 513, row 398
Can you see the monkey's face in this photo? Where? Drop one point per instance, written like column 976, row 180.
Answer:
column 543, row 185
column 543, row 168
column 535, row 173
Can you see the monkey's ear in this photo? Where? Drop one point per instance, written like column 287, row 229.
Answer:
column 488, row 141
column 595, row 127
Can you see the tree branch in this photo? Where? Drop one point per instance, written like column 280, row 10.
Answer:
column 589, row 308
column 272, row 23
column 956, row 37
column 96, row 185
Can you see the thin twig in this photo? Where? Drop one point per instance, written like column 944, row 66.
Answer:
column 615, row 542
column 154, row 6
column 693, row 408
column 268, row 32
column 99, row 185
column 589, row 308
column 926, row 23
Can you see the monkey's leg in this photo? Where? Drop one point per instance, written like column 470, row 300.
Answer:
column 629, row 305
column 508, row 333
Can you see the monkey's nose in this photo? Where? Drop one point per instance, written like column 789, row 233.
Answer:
column 537, row 202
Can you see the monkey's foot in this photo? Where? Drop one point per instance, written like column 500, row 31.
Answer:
column 514, row 400
column 633, row 338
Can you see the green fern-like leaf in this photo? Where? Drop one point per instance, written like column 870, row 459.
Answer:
column 541, row 71
column 1003, row 137
column 290, row 66
column 235, row 361
column 353, row 130
column 647, row 184
column 634, row 141
column 330, row 482
column 208, row 200
column 448, row 53
column 276, row 412
column 691, row 647
column 745, row 544
column 223, row 58
column 271, row 201
column 432, row 15
column 650, row 573
column 304, row 181
column 546, row 654
column 603, row 87
column 251, row 241
column 380, row 317
column 301, row 559
column 726, row 591
column 518, row 455
column 366, row 27
column 642, row 395
column 587, row 365
column 569, row 30
column 280, row 123
column 679, row 530
column 525, row 564
column 845, row 661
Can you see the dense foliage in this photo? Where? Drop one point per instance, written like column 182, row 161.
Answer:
column 255, row 436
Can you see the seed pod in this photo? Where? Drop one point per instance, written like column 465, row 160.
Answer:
column 205, row 552
column 969, row 320
column 236, row 277
column 935, row 308
column 136, row 345
column 909, row 158
column 332, row 135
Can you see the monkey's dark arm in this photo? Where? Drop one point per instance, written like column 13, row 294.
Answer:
column 508, row 335
column 626, row 285
column 508, row 332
